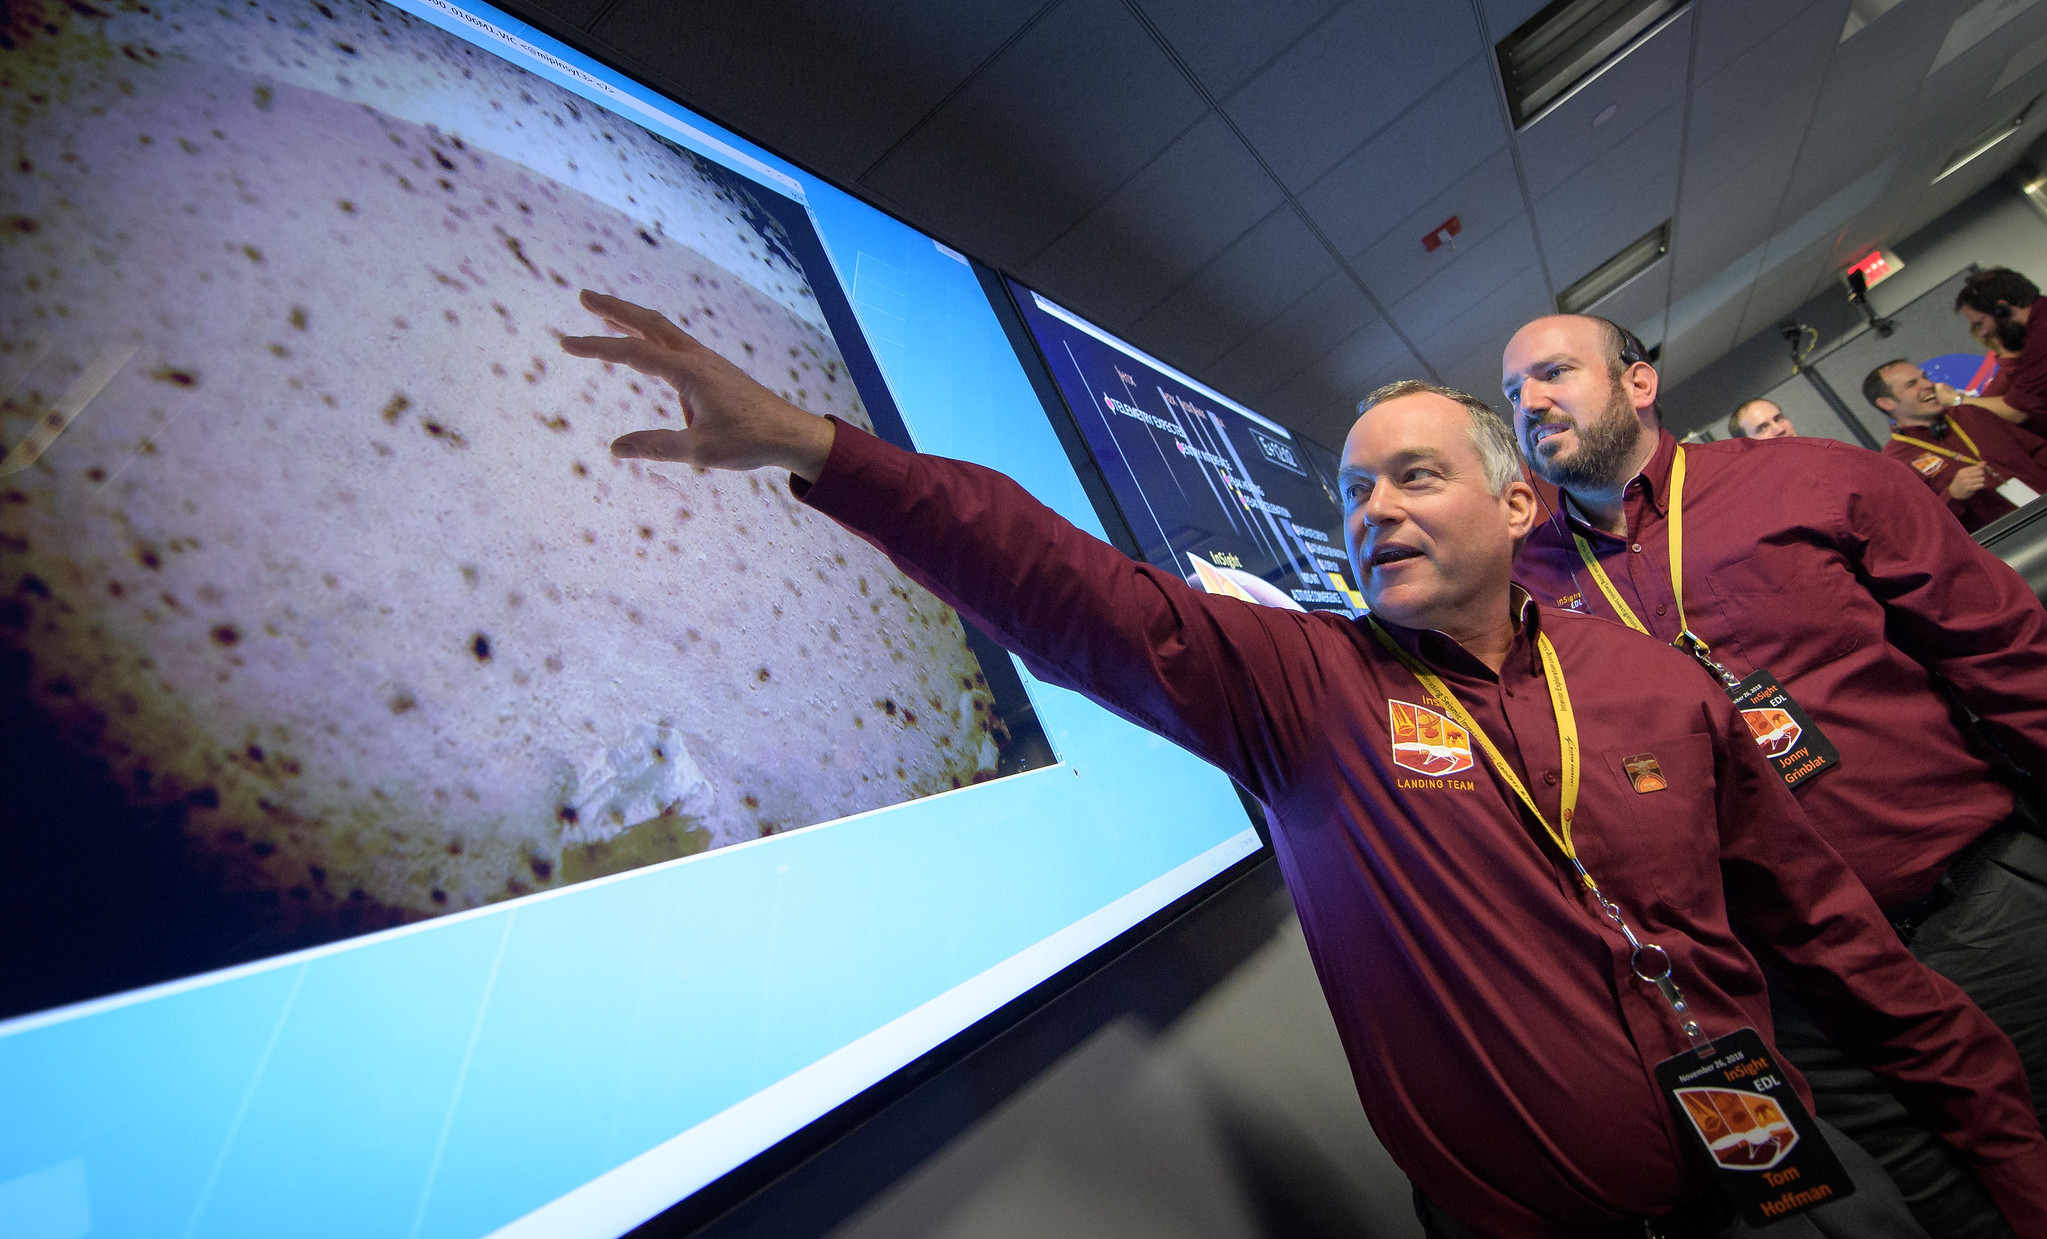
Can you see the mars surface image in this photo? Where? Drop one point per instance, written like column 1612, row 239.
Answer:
column 321, row 597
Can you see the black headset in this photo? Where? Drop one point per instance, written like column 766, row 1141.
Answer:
column 1632, row 349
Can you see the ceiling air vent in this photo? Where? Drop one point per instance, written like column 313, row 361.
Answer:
column 1613, row 274
column 1565, row 44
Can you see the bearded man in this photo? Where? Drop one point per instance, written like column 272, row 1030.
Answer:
column 1840, row 604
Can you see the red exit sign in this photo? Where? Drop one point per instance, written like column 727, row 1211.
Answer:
column 1875, row 268
column 1442, row 234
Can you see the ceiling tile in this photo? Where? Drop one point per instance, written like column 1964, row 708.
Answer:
column 1324, row 317
column 832, row 111
column 1473, row 277
column 1225, row 41
column 1639, row 86
column 1180, row 212
column 1469, row 345
column 1103, row 101
column 1338, row 85
column 1613, row 202
column 1725, row 216
column 1973, row 29
column 1414, row 160
column 1371, row 357
column 1785, row 286
column 1504, row 17
column 2021, row 63
column 1687, row 353
column 1483, row 200
column 1262, row 273
column 1640, row 304
column 1761, row 99
column 1322, row 399
column 1730, row 28
column 1869, row 88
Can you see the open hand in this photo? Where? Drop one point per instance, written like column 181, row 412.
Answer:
column 732, row 422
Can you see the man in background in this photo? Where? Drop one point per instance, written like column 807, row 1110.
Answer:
column 1980, row 465
column 1759, row 419
column 1835, row 572
column 1998, row 304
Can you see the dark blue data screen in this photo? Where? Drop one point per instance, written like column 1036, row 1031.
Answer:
column 1232, row 501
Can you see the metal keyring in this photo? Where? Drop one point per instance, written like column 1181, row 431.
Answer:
column 1635, row 961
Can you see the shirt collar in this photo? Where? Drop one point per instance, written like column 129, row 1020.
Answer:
column 1442, row 652
column 1936, row 429
column 1653, row 480
column 1655, row 476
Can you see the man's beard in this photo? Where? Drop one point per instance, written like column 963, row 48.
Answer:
column 2011, row 334
column 1604, row 449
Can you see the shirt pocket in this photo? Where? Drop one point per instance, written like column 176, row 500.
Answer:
column 1665, row 839
column 1769, row 598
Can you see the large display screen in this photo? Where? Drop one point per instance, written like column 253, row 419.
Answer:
column 1229, row 499
column 418, row 821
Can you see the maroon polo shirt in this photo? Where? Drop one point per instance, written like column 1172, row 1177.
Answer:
column 1503, row 1049
column 2026, row 390
column 2010, row 451
column 1836, row 570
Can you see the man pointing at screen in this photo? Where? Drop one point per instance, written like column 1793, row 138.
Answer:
column 1505, row 828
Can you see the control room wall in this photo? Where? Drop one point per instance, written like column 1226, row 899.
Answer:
column 1995, row 227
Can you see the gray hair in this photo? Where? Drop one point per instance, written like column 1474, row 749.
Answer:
column 1498, row 454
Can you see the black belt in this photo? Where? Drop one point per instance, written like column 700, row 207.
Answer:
column 1962, row 872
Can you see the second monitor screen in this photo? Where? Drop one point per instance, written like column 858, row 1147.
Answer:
column 1231, row 501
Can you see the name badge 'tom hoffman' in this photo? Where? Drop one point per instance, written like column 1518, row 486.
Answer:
column 1768, row 1153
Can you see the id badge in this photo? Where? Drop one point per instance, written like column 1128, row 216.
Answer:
column 2017, row 493
column 1782, row 730
column 1769, row 1155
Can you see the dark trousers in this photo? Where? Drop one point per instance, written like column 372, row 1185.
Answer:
column 1988, row 936
column 1875, row 1211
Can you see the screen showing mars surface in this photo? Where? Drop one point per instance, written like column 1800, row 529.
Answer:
column 323, row 606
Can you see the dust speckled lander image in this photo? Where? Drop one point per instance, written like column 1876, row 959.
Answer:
column 323, row 606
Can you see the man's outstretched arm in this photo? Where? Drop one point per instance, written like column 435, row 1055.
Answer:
column 1234, row 683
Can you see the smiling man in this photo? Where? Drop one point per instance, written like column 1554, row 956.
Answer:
column 1980, row 465
column 1831, row 573
column 1445, row 783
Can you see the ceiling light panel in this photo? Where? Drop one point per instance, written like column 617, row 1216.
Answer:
column 1616, row 272
column 1566, row 44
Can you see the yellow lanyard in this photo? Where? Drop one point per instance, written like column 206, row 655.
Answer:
column 1687, row 640
column 1677, row 544
column 1955, row 426
column 1567, row 738
column 1650, row 962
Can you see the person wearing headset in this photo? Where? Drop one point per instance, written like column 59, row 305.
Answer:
column 1980, row 465
column 1846, row 610
column 1998, row 304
